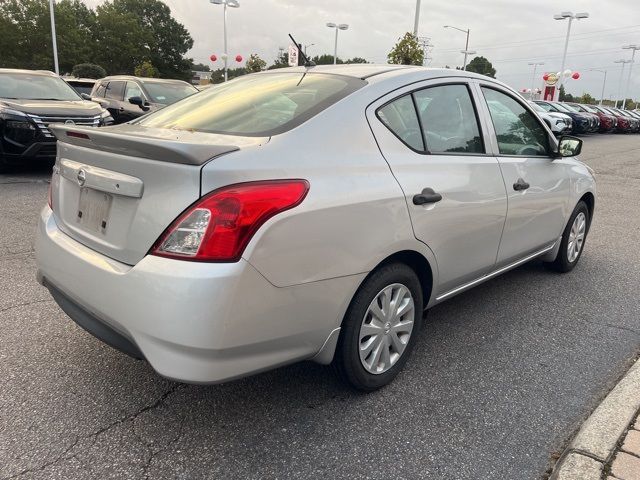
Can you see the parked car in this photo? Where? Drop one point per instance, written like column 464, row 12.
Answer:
column 581, row 123
column 558, row 123
column 305, row 213
column 607, row 123
column 594, row 120
column 30, row 102
column 634, row 123
column 128, row 97
column 625, row 125
column 83, row 86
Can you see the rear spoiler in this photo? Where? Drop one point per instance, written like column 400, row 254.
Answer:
column 175, row 146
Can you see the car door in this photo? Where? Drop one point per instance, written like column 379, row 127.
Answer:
column 538, row 186
column 432, row 140
column 115, row 95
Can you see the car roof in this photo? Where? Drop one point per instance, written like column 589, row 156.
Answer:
column 44, row 73
column 75, row 79
column 144, row 79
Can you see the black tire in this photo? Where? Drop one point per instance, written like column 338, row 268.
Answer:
column 562, row 263
column 346, row 361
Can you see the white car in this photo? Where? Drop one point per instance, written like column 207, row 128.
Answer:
column 559, row 123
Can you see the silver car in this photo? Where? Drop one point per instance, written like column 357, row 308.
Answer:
column 558, row 123
column 304, row 213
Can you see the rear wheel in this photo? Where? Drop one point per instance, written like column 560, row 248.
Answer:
column 573, row 238
column 380, row 328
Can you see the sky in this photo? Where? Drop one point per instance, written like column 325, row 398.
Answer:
column 510, row 33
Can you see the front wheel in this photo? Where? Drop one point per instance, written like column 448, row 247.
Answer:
column 573, row 238
column 380, row 328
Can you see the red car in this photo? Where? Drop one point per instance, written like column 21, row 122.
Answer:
column 623, row 126
column 608, row 121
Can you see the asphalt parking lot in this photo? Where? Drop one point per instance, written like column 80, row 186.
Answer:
column 500, row 380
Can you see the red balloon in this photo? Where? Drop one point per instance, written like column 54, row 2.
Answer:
column 213, row 58
column 575, row 76
column 545, row 77
column 238, row 58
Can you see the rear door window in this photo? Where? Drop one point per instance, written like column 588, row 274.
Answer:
column 101, row 90
column 448, row 119
column 115, row 90
column 400, row 117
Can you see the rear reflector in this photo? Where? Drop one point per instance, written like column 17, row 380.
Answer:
column 78, row 135
column 218, row 227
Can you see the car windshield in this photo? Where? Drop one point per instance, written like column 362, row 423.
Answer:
column 589, row 109
column 256, row 105
column 536, row 107
column 568, row 108
column 168, row 93
column 30, row 86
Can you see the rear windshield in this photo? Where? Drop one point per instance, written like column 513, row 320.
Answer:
column 256, row 105
column 81, row 87
column 27, row 86
column 169, row 93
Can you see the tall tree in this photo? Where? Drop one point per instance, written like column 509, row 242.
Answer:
column 407, row 51
column 325, row 59
column 482, row 66
column 163, row 39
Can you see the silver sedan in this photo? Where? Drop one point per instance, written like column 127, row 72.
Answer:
column 305, row 213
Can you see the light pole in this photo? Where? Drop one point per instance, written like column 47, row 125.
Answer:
column 633, row 49
column 571, row 16
column 466, row 50
column 53, row 37
column 230, row 4
column 623, row 62
column 533, row 77
column 341, row 26
column 305, row 47
column 417, row 19
column 604, row 82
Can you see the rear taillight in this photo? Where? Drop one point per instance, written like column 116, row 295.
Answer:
column 218, row 227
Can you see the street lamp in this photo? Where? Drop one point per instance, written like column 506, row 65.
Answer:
column 633, row 49
column 533, row 77
column 623, row 62
column 53, row 37
column 466, row 50
column 305, row 47
column 230, row 4
column 341, row 26
column 571, row 16
column 603, row 83
column 417, row 19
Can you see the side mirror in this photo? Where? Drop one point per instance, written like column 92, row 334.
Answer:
column 85, row 96
column 569, row 146
column 137, row 101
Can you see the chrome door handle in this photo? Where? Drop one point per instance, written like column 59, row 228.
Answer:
column 427, row 196
column 520, row 185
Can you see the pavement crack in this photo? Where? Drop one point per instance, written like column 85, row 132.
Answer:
column 25, row 304
column 59, row 458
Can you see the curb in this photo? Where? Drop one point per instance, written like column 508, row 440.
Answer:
column 598, row 438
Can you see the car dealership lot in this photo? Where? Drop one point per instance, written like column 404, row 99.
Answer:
column 501, row 377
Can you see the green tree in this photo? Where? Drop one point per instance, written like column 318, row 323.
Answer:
column 563, row 96
column 255, row 63
column 146, row 69
column 325, row 59
column 146, row 30
column 88, row 70
column 281, row 62
column 586, row 98
column 356, row 60
column 482, row 66
column 200, row 67
column 407, row 51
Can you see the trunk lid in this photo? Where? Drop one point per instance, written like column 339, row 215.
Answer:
column 116, row 189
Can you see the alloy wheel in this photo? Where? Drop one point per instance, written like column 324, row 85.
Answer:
column 576, row 237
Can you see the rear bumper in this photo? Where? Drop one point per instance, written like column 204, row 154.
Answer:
column 193, row 322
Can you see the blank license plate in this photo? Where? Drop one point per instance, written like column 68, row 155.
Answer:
column 93, row 209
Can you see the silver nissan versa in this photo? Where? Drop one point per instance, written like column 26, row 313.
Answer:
column 304, row 213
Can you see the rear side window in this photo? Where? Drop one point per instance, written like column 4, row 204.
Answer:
column 448, row 119
column 115, row 90
column 400, row 117
column 517, row 130
column 256, row 105
column 100, row 90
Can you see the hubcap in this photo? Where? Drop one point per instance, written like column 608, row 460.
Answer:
column 576, row 237
column 386, row 328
